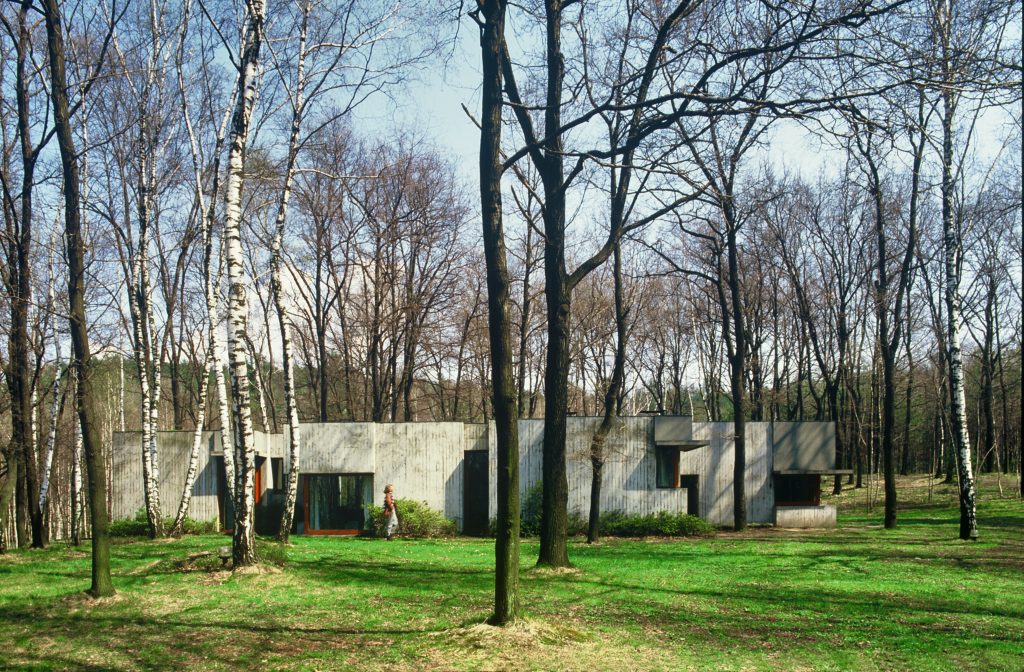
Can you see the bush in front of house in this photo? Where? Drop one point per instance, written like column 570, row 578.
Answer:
column 138, row 526
column 415, row 519
column 661, row 524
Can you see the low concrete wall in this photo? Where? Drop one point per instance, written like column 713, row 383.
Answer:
column 805, row 516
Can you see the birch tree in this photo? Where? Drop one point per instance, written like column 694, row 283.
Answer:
column 56, row 402
column 207, row 213
column 970, row 50
column 249, row 75
column 19, row 213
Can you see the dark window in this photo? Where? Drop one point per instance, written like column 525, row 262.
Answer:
column 797, row 489
column 337, row 502
column 668, row 467
column 277, row 473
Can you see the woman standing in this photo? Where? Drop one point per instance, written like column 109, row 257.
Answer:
column 390, row 514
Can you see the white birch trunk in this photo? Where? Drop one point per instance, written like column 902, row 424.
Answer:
column 261, row 396
column 141, row 347
column 77, row 505
column 120, row 395
column 193, row 456
column 34, row 421
column 958, row 403
column 953, row 252
column 291, row 408
column 211, row 281
column 243, row 547
column 51, row 439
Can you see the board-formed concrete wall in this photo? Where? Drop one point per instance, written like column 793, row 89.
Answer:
column 804, row 446
column 335, row 448
column 630, row 470
column 172, row 451
column 805, row 516
column 424, row 461
column 713, row 465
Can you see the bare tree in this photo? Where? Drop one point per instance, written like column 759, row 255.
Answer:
column 87, row 392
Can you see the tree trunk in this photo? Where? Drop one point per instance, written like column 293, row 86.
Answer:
column 737, row 357
column 19, row 246
column 506, row 547
column 611, row 398
column 284, row 322
column 56, row 406
column 958, row 405
column 87, row 413
column 193, row 457
column 77, row 509
column 243, row 541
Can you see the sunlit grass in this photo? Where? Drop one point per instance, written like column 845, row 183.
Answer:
column 859, row 597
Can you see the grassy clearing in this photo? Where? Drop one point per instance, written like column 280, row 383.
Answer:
column 856, row 598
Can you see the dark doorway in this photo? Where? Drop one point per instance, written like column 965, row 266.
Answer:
column 475, row 493
column 225, row 506
column 690, row 482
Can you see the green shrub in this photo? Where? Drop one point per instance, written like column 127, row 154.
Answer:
column 613, row 523
column 193, row 526
column 130, row 527
column 530, row 510
column 661, row 524
column 138, row 526
column 415, row 519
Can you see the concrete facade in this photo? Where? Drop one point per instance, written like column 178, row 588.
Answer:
column 425, row 462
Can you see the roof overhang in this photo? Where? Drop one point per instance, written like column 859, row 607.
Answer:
column 676, row 431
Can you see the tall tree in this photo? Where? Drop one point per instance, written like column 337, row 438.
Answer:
column 249, row 75
column 18, row 215
column 88, row 392
column 490, row 16
column 970, row 50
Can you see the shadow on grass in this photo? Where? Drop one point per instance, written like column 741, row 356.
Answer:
column 881, row 606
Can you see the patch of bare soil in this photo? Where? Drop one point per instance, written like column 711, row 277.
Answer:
column 256, row 570
column 76, row 601
column 554, row 571
column 215, row 578
column 533, row 645
column 519, row 634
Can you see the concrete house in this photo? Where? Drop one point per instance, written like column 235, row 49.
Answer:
column 653, row 463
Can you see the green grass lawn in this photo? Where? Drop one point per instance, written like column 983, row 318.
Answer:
column 856, row 598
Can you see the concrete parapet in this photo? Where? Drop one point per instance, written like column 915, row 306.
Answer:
column 805, row 516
